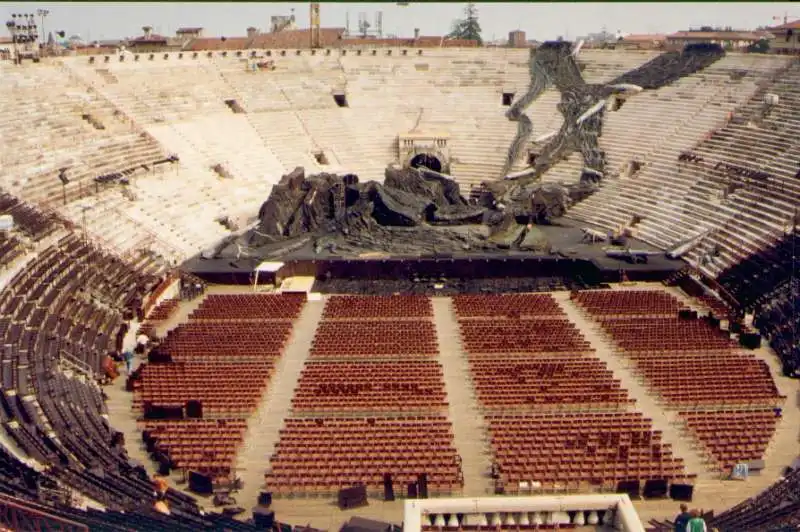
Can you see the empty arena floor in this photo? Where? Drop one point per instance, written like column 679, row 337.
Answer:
column 322, row 512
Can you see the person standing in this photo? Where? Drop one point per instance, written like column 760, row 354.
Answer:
column 696, row 523
column 682, row 519
column 128, row 361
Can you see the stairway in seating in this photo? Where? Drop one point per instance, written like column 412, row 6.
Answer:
column 253, row 458
column 646, row 403
column 469, row 427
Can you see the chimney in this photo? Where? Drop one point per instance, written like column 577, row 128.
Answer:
column 416, row 33
column 252, row 32
column 148, row 31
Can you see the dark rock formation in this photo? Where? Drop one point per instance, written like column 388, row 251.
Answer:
column 414, row 211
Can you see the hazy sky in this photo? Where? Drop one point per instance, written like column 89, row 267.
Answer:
column 541, row 21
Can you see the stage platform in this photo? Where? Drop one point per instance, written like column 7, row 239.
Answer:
column 571, row 258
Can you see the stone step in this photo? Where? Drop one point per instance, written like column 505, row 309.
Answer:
column 264, row 425
column 469, row 429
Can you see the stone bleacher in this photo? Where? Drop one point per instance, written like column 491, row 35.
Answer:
column 62, row 314
column 717, row 116
column 289, row 117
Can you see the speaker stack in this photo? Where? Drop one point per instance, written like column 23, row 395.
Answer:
column 388, row 488
column 422, row 483
column 631, row 487
column 655, row 489
column 352, row 497
column 681, row 492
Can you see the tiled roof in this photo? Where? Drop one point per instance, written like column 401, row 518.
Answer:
column 149, row 39
column 716, row 35
column 189, row 30
column 297, row 38
column 420, row 42
column 645, row 37
column 788, row 26
column 216, row 43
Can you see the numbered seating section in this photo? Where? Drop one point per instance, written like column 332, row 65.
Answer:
column 691, row 379
column 522, row 336
column 654, row 335
column 407, row 386
column 569, row 381
column 695, row 367
column 224, row 358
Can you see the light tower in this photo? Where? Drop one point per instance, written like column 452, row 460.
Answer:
column 42, row 15
column 24, row 35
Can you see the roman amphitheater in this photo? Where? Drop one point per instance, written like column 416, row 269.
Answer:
column 497, row 389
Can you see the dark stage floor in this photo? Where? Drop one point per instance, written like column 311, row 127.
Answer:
column 565, row 238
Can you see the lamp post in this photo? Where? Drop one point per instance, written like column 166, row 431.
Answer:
column 42, row 15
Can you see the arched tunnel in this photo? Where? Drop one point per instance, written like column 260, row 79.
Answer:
column 427, row 160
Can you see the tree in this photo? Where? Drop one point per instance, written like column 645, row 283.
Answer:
column 759, row 47
column 467, row 28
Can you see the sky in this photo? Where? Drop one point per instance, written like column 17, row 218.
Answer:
column 541, row 21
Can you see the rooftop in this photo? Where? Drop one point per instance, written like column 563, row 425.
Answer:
column 717, row 34
column 795, row 25
column 645, row 37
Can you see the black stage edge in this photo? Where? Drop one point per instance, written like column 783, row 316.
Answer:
column 573, row 272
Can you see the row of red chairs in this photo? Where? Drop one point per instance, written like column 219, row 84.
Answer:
column 206, row 446
column 361, row 338
column 250, row 307
column 546, row 380
column 374, row 307
column 627, row 302
column 732, row 436
column 736, row 377
column 226, row 340
column 575, row 447
column 322, row 453
column 522, row 336
column 389, row 386
column 666, row 334
column 499, row 305
column 164, row 310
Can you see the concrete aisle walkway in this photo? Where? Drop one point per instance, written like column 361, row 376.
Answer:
column 262, row 428
column 469, row 427
column 663, row 420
